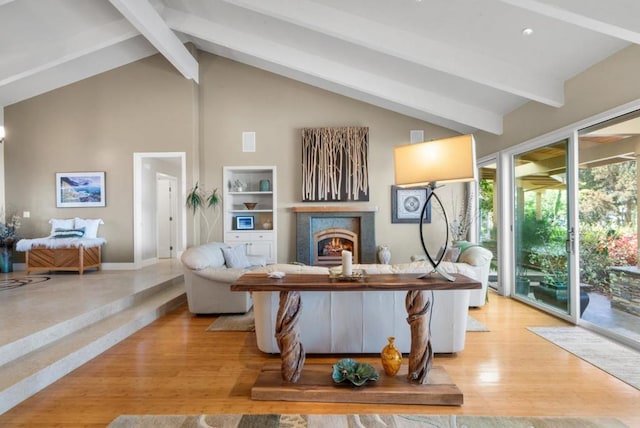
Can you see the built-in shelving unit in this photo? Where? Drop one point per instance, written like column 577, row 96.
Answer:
column 255, row 226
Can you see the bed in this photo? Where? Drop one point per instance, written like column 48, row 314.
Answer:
column 73, row 245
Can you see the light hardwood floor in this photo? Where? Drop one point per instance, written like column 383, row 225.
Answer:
column 174, row 366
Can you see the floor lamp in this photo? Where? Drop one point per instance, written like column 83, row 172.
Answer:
column 443, row 161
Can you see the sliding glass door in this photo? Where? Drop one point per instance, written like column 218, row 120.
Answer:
column 543, row 234
column 608, row 201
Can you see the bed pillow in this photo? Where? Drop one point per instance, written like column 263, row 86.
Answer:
column 68, row 233
column 60, row 223
column 90, row 226
column 236, row 257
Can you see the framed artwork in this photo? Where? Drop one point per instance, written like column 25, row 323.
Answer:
column 80, row 189
column 335, row 164
column 407, row 203
column 244, row 222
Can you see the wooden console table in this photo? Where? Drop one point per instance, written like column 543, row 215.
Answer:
column 315, row 388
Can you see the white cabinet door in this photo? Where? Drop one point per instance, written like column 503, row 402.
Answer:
column 261, row 248
column 258, row 243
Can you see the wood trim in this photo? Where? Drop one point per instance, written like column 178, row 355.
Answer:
column 332, row 209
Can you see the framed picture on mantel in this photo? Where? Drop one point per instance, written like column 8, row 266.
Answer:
column 407, row 203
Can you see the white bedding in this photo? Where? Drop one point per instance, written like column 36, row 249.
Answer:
column 27, row 244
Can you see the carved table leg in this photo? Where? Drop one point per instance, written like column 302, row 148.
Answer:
column 421, row 355
column 288, row 335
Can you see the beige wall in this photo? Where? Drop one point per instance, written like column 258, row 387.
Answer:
column 609, row 84
column 95, row 125
column 98, row 123
column 237, row 98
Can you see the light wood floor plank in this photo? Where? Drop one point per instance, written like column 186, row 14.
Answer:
column 174, row 366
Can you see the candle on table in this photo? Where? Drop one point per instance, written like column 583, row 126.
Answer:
column 346, row 263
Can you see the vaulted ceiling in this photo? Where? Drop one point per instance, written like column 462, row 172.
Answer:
column 462, row 64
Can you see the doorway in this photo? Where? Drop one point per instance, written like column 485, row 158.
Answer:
column 145, row 193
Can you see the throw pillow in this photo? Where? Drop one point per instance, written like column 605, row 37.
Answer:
column 60, row 223
column 68, row 233
column 90, row 226
column 475, row 255
column 463, row 245
column 451, row 255
column 236, row 257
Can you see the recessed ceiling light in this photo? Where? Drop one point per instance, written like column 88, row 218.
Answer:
column 527, row 31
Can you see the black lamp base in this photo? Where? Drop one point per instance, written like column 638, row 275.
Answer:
column 448, row 277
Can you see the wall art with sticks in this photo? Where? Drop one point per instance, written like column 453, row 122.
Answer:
column 334, row 164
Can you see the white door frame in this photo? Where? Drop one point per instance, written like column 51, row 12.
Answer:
column 138, row 159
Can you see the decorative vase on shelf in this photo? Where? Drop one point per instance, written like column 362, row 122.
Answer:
column 265, row 186
column 384, row 254
column 267, row 225
column 391, row 358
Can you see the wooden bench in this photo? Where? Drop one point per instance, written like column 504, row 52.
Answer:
column 77, row 259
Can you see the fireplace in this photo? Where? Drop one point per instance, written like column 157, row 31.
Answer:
column 322, row 233
column 329, row 243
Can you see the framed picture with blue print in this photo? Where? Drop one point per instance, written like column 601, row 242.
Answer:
column 407, row 204
column 80, row 189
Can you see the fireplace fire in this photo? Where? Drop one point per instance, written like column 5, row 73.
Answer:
column 329, row 244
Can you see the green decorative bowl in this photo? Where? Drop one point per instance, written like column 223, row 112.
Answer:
column 351, row 370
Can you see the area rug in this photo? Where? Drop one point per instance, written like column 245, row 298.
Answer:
column 618, row 360
column 246, row 322
column 475, row 325
column 359, row 421
column 235, row 322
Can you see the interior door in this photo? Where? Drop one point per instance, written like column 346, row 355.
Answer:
column 544, row 238
column 165, row 216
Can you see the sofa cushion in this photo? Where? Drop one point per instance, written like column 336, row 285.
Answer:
column 475, row 255
column 204, row 256
column 236, row 257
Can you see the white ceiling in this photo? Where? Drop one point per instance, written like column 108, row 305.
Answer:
column 462, row 64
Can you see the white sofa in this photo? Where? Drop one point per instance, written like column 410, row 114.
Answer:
column 477, row 256
column 361, row 321
column 336, row 322
column 207, row 280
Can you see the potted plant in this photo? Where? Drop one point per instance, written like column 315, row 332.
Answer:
column 8, row 231
column 200, row 200
column 552, row 261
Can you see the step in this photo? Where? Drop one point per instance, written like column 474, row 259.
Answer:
column 34, row 371
column 29, row 343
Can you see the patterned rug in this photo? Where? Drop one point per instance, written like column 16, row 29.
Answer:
column 357, row 421
column 246, row 322
column 618, row 360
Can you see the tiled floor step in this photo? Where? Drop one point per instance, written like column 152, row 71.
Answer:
column 28, row 374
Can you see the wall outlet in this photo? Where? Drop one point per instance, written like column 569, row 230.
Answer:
column 26, row 214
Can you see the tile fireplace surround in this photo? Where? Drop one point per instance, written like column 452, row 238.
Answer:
column 312, row 219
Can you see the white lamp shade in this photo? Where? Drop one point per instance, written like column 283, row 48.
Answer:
column 1, row 132
column 446, row 160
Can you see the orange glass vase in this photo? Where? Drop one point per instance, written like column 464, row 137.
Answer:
column 391, row 358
